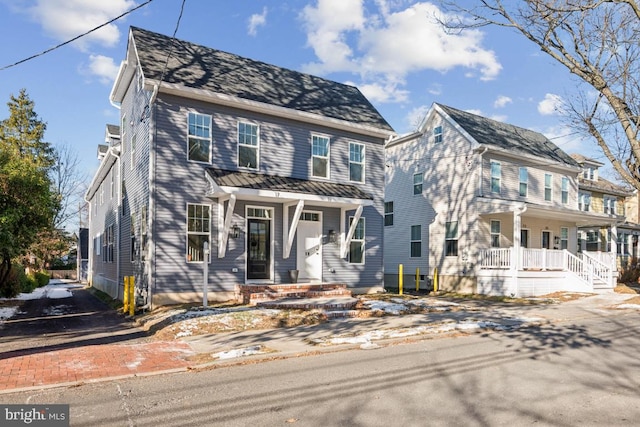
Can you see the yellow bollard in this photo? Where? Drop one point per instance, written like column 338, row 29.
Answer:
column 435, row 279
column 417, row 279
column 132, row 296
column 125, row 296
column 400, row 277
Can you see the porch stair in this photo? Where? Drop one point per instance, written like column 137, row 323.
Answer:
column 332, row 298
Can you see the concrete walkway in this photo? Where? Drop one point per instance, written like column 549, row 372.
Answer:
column 108, row 361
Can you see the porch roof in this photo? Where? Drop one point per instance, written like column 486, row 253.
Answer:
column 256, row 186
column 488, row 206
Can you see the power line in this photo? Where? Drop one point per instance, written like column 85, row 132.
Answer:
column 75, row 38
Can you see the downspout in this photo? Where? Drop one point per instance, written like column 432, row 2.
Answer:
column 480, row 192
column 516, row 261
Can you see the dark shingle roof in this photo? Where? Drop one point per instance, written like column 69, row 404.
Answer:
column 604, row 186
column 201, row 67
column 227, row 178
column 508, row 137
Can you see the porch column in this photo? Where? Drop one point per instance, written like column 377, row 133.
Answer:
column 614, row 241
column 517, row 228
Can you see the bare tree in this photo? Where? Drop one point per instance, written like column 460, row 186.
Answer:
column 70, row 184
column 596, row 40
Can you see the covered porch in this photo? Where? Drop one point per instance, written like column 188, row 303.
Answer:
column 534, row 250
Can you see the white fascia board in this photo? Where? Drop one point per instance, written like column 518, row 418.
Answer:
column 120, row 85
column 532, row 159
column 283, row 197
column 108, row 160
column 273, row 110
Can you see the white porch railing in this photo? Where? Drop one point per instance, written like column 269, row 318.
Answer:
column 592, row 268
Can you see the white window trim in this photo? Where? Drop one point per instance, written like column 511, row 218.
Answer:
column 186, row 255
column 564, row 191
column 550, row 187
column 564, row 239
column 271, row 218
column 210, row 139
column 363, row 162
column 491, row 177
column 413, row 187
column 328, row 156
column 256, row 147
column 353, row 239
column 391, row 213
column 411, row 241
column 456, row 238
column 437, row 134
column 526, row 182
column 492, row 234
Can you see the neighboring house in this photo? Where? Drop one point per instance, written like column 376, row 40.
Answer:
column 493, row 207
column 83, row 255
column 276, row 171
column 597, row 194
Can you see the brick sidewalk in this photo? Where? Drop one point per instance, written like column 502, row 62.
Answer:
column 91, row 362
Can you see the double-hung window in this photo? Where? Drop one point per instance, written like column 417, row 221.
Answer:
column 565, row 190
column 199, row 137
column 524, row 182
column 495, row 233
column 356, row 162
column 437, row 134
column 320, row 156
column 496, row 176
column 133, row 238
column 248, row 145
column 417, row 184
column 564, row 238
column 416, row 241
column 610, row 205
column 388, row 213
column 548, row 186
column 584, row 200
column 451, row 238
column 356, row 247
column 198, row 229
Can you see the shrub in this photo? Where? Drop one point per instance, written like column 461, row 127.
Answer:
column 42, row 278
column 630, row 272
column 17, row 282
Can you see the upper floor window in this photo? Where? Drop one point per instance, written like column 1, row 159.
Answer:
column 248, row 145
column 548, row 186
column 356, row 247
column 496, row 176
column 451, row 238
column 565, row 190
column 584, row 201
column 356, row 162
column 416, row 241
column 199, row 137
column 437, row 134
column 417, row 183
column 610, row 205
column 524, row 182
column 495, row 233
column 588, row 173
column 198, row 228
column 388, row 213
column 320, row 156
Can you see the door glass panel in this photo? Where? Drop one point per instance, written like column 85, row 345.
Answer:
column 258, row 249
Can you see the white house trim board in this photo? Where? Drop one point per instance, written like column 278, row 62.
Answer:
column 289, row 232
column 224, row 222
column 345, row 242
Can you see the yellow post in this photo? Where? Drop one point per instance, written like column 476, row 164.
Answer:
column 400, row 276
column 125, row 297
column 417, row 279
column 132, row 297
column 435, row 279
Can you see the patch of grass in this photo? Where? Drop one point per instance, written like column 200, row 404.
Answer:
column 105, row 298
column 626, row 289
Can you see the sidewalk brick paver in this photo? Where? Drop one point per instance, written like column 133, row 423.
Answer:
column 92, row 362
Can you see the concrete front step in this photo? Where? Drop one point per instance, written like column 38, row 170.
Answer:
column 326, row 304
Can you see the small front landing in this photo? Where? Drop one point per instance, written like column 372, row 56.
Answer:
column 259, row 293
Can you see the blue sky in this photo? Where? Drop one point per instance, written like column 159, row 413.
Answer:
column 393, row 50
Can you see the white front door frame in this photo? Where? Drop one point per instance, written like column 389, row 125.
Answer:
column 309, row 247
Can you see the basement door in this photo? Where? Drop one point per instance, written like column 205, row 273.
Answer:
column 309, row 246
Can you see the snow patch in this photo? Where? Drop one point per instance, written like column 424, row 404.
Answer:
column 631, row 306
column 232, row 354
column 7, row 312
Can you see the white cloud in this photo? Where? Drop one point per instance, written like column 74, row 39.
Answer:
column 384, row 46
column 415, row 116
column 435, row 89
column 257, row 20
column 103, row 67
column 551, row 104
column 66, row 19
column 499, row 118
column 475, row 111
column 382, row 92
column 566, row 138
column 502, row 101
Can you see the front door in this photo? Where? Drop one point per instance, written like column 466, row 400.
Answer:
column 258, row 249
column 309, row 246
column 546, row 240
column 524, row 238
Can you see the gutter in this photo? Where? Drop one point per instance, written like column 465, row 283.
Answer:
column 480, row 193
